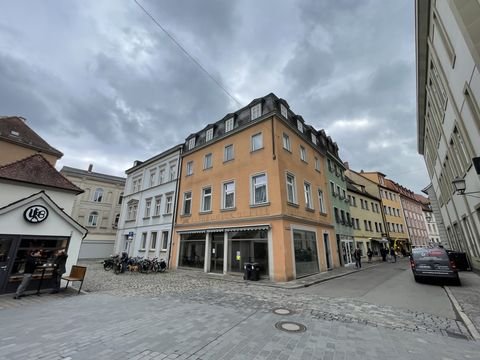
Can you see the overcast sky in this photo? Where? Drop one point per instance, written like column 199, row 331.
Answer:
column 103, row 84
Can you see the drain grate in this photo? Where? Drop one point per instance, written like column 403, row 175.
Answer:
column 282, row 311
column 290, row 326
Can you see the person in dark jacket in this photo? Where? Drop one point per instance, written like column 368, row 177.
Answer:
column 59, row 269
column 30, row 265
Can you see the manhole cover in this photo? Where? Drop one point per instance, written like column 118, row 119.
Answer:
column 290, row 326
column 282, row 311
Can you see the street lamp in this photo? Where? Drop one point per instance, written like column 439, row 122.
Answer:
column 460, row 186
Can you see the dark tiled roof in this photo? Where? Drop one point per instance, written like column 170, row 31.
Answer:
column 36, row 170
column 14, row 129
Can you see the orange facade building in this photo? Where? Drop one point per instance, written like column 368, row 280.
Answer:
column 253, row 189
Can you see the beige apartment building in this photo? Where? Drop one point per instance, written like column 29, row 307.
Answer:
column 253, row 188
column 97, row 209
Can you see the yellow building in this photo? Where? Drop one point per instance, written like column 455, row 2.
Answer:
column 253, row 189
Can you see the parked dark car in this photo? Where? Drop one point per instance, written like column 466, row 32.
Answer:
column 434, row 264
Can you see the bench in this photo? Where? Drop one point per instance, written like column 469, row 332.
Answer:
column 77, row 273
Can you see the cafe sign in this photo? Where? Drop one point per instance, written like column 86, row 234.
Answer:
column 35, row 214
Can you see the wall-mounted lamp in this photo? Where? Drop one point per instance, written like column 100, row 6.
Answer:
column 460, row 186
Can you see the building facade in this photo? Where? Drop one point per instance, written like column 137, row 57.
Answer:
column 148, row 206
column 448, row 113
column 253, row 188
column 97, row 209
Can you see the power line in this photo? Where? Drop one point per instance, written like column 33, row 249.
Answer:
column 187, row 53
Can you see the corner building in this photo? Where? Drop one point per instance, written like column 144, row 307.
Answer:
column 253, row 189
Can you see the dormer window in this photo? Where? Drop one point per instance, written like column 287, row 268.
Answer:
column 191, row 143
column 284, row 111
column 314, row 139
column 256, row 111
column 300, row 126
column 229, row 125
column 209, row 135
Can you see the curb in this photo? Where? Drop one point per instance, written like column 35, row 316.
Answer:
column 466, row 320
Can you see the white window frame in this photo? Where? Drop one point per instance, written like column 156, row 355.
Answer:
column 191, row 143
column 143, row 241
column 158, row 206
column 208, row 161
column 189, row 168
column 291, row 185
column 164, row 241
column 284, row 111
column 321, row 201
column 204, row 197
column 254, row 146
column 161, row 176
column 98, row 195
column 317, row 164
column 173, row 172
column 229, row 125
column 226, row 192
column 152, row 177
column 209, row 134
column 148, row 206
column 225, row 153
column 256, row 111
column 93, row 219
column 314, row 139
column 153, row 240
column 168, row 204
column 303, row 153
column 187, row 196
column 307, row 189
column 254, row 186
column 299, row 126
column 286, row 142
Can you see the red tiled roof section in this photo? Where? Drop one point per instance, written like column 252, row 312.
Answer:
column 37, row 170
column 15, row 130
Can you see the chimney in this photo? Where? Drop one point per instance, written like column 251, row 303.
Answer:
column 90, row 167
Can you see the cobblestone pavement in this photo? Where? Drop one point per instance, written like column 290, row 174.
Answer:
column 468, row 296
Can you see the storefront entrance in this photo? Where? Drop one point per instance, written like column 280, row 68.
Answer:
column 216, row 258
column 347, row 252
column 192, row 251
column 306, row 255
column 6, row 253
column 247, row 246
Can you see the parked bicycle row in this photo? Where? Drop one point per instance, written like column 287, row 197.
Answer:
column 121, row 263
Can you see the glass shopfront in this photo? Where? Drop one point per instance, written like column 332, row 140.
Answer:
column 192, row 250
column 248, row 246
column 306, row 256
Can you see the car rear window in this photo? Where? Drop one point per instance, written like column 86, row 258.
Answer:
column 430, row 254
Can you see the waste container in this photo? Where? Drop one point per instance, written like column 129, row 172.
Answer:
column 461, row 260
column 251, row 271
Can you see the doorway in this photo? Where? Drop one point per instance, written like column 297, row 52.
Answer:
column 7, row 251
column 216, row 258
column 326, row 243
column 347, row 252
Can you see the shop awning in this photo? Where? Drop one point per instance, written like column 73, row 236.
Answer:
column 248, row 228
column 227, row 229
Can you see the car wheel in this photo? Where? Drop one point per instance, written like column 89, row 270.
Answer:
column 417, row 278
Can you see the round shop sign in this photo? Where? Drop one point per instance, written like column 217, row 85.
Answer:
column 35, row 214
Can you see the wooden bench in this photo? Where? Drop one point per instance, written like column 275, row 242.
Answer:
column 77, row 273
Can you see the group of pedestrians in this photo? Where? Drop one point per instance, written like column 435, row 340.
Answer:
column 385, row 252
column 357, row 255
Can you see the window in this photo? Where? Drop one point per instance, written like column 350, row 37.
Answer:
column 120, row 199
column 158, row 202
column 342, row 215
column 206, row 199
column 286, row 142
column 187, row 203
column 332, row 187
column 337, row 217
column 321, row 202
column 92, row 219
column 164, row 244
column 229, row 125
column 148, row 205
column 314, row 139
column 256, row 111
column 173, row 173
column 168, row 204
column 349, row 222
column 303, row 153
column 132, row 210
column 366, row 205
column 152, row 177
column 370, row 225
column 153, row 240
column 209, row 135
column 228, row 153
column 376, row 226
column 354, row 201
column 228, row 195
column 284, row 111
column 98, row 195
column 143, row 244
column 365, row 225
column 257, row 141
column 338, row 190
column 191, row 143
column 207, row 161
column 189, row 169
column 300, row 126
column 161, row 176
column 344, row 194
column 329, row 165
column 317, row 164
column 291, row 189
column 259, row 189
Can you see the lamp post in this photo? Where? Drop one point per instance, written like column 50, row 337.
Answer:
column 460, row 186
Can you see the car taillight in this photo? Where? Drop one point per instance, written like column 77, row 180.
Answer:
column 412, row 264
column 453, row 265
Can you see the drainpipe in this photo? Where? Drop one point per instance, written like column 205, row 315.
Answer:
column 175, row 206
column 273, row 140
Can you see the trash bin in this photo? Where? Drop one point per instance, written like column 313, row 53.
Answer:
column 461, row 260
column 251, row 271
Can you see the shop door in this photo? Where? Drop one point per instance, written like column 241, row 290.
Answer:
column 326, row 244
column 216, row 262
column 347, row 248
column 7, row 248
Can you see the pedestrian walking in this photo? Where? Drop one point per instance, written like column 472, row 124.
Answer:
column 357, row 255
column 59, row 269
column 369, row 254
column 31, row 262
column 393, row 254
column 383, row 253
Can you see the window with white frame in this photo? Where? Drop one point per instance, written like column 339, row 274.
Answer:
column 228, row 153
column 229, row 125
column 152, row 177
column 209, row 134
column 300, row 126
column 148, row 205
column 164, row 244
column 206, row 199
column 168, row 204
column 191, row 143
column 332, row 188
column 314, row 139
column 143, row 243
column 291, row 189
column 303, row 153
column 308, row 195
column 256, row 111
column 158, row 204
column 132, row 210
column 120, row 199
column 98, row 195
column 189, row 168
column 161, row 176
column 137, row 184
column 257, row 142
column 173, row 172
column 207, row 161
column 321, row 202
column 338, row 191
column 317, row 164
column 259, row 189
column 284, row 111
column 153, row 240
column 286, row 142
column 228, row 195
column 92, row 219
column 187, row 203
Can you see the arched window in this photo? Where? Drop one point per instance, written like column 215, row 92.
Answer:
column 93, row 218
column 97, row 197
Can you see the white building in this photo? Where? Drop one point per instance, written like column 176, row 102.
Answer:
column 148, row 207
column 448, row 113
